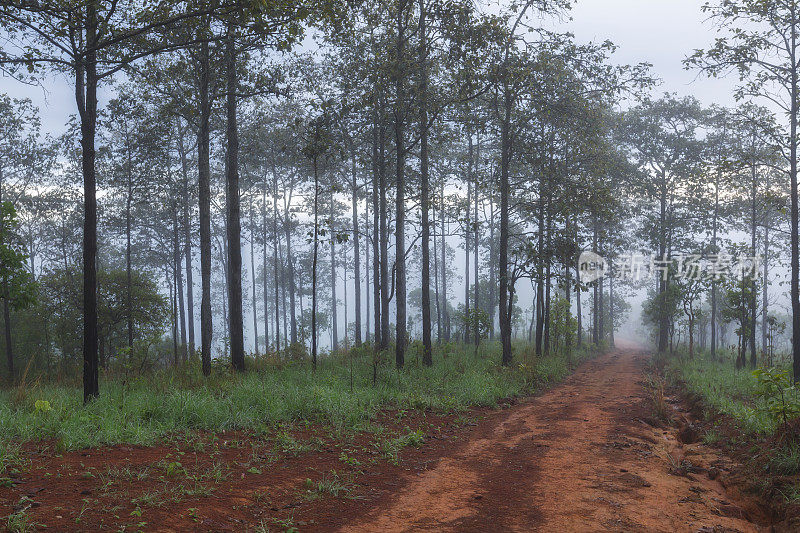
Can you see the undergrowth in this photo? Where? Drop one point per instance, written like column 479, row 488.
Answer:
column 762, row 406
column 725, row 390
column 340, row 393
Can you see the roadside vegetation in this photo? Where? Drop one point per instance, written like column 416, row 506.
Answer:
column 340, row 394
column 753, row 414
column 737, row 394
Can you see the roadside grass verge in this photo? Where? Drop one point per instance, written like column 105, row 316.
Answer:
column 753, row 415
column 339, row 394
column 724, row 390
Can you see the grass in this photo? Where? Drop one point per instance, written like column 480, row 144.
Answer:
column 390, row 448
column 786, row 460
column 772, row 454
column 19, row 521
column 724, row 390
column 661, row 410
column 170, row 402
column 331, row 484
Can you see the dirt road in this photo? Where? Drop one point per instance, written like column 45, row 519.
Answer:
column 579, row 458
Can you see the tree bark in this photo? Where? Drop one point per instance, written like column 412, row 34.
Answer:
column 314, row 270
column 427, row 351
column 505, row 160
column 400, row 198
column 128, row 267
column 443, row 239
column 376, row 237
column 753, row 235
column 178, row 279
column 334, row 302
column 264, row 269
column 467, row 234
column 6, row 310
column 232, row 201
column 475, row 242
column 795, row 249
column 356, row 256
column 204, row 198
column 275, row 259
column 291, row 276
column 663, row 327
column 86, row 95
column 384, row 241
column 187, row 244
column 253, row 277
column 367, row 280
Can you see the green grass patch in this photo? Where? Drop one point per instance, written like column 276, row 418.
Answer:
column 725, row 390
column 143, row 410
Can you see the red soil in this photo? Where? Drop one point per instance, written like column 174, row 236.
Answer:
column 581, row 457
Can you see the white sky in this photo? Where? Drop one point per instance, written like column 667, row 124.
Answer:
column 661, row 32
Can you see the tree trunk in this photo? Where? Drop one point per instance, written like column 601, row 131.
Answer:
column 253, row 277
column 86, row 95
column 7, row 334
column 232, row 201
column 475, row 242
column 547, row 277
column 505, row 160
column 314, row 270
column 578, row 308
column 663, row 328
column 367, row 279
column 384, row 242
column 492, row 265
column 345, row 302
column 765, row 288
column 795, row 266
column 753, row 234
column 275, row 259
column 540, row 293
column 334, row 302
column 187, row 246
column 377, row 234
column 173, row 318
column 611, row 305
column 282, row 286
column 427, row 352
column 467, row 234
column 356, row 257
column 437, row 294
column 178, row 278
column 204, row 194
column 400, row 198
column 715, row 251
column 264, row 268
column 128, row 267
column 445, row 303
column 6, row 311
column 291, row 276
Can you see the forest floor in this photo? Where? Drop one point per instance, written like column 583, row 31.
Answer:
column 587, row 455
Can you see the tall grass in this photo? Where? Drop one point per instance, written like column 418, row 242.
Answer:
column 724, row 389
column 340, row 394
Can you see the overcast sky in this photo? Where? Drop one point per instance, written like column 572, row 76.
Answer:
column 661, row 32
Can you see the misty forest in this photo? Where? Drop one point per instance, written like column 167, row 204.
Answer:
column 393, row 265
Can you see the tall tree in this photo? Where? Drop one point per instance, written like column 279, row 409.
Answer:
column 760, row 43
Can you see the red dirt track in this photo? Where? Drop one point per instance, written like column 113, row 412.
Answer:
column 578, row 458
